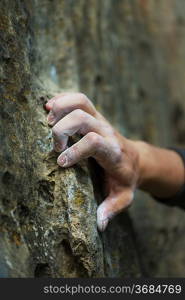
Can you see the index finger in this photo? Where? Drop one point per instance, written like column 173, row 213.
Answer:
column 50, row 102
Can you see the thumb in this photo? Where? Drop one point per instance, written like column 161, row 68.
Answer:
column 112, row 205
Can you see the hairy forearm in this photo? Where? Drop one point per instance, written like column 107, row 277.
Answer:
column 161, row 170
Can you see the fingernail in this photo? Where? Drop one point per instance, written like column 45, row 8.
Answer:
column 51, row 118
column 62, row 160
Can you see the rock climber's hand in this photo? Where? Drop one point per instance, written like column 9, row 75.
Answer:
column 71, row 113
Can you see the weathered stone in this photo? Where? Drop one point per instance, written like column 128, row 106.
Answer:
column 128, row 57
column 48, row 214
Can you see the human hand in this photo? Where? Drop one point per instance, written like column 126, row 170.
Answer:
column 71, row 113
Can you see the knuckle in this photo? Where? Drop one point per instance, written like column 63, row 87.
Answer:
column 94, row 139
column 84, row 101
column 83, row 98
column 117, row 153
column 79, row 113
column 56, row 105
column 107, row 129
column 111, row 130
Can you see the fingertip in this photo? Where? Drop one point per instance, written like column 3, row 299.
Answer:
column 102, row 218
column 62, row 160
column 102, row 224
column 49, row 104
column 51, row 118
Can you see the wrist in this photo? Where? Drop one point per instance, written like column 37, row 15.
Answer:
column 161, row 171
column 144, row 156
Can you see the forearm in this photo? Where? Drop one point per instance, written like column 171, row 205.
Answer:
column 161, row 170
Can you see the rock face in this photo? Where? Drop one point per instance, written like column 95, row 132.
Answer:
column 128, row 57
column 48, row 215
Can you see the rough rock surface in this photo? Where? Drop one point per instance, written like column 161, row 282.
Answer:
column 128, row 57
column 47, row 214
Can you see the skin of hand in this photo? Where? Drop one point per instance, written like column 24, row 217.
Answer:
column 72, row 113
column 128, row 164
